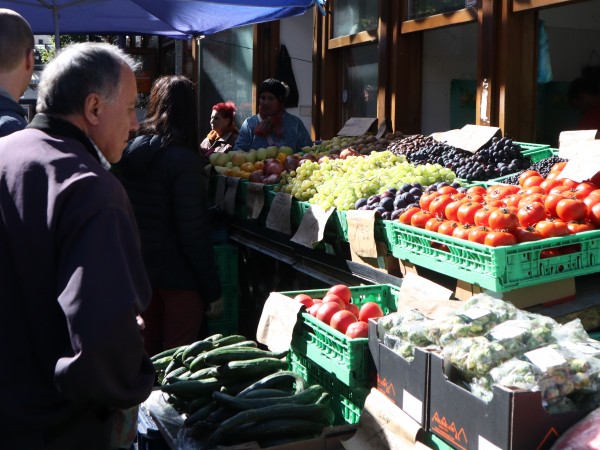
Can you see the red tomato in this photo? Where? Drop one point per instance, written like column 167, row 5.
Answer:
column 306, row 300
column 579, row 226
column 332, row 298
column 420, row 218
column 527, row 199
column 551, row 202
column 534, row 180
column 313, row 309
column 550, row 253
column 342, row 291
column 407, row 214
column 571, row 184
column 558, row 167
column 341, row 320
column 552, row 228
column 426, row 199
column 451, row 210
column 448, row 227
column 590, row 201
column 499, row 191
column 498, row 238
column 494, row 203
column 528, row 234
column 357, row 330
column 462, row 231
column 527, row 174
column 352, row 308
column 532, row 190
column 512, row 200
column 582, row 190
column 594, row 214
column 560, row 189
column 466, row 212
column 477, row 198
column 438, row 205
column 458, row 196
column 327, row 310
column 478, row 234
column 548, row 184
column 434, row 223
column 477, row 189
column 570, row 209
column 447, row 190
column 482, row 216
column 503, row 219
column 369, row 310
column 531, row 214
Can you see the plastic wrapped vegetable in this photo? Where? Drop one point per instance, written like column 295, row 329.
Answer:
column 518, row 336
column 398, row 318
column 406, row 333
column 570, row 332
column 400, row 346
column 475, row 356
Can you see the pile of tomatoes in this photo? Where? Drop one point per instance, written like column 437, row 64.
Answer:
column 337, row 310
column 505, row 214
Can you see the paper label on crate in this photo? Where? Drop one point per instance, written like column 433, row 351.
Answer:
column 412, row 406
column 361, row 233
column 230, row 193
column 571, row 138
column 357, row 126
column 484, row 444
column 474, row 313
column 383, row 425
column 255, row 199
column 471, row 137
column 545, row 358
column 506, row 331
column 312, row 228
column 279, row 213
column 277, row 322
column 220, row 190
column 415, row 288
column 584, row 160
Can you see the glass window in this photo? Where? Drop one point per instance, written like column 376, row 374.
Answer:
column 419, row 9
column 353, row 16
column 226, row 73
column 359, row 95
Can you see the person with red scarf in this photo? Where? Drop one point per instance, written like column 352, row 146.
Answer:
column 224, row 132
column 273, row 125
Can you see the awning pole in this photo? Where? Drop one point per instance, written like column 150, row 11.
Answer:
column 56, row 34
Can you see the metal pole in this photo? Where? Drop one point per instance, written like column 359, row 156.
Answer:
column 56, row 33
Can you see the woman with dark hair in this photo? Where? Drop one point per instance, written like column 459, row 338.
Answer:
column 223, row 133
column 161, row 172
column 273, row 125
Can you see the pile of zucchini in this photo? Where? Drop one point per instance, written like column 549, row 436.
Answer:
column 234, row 392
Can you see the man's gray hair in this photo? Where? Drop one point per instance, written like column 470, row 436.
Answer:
column 79, row 70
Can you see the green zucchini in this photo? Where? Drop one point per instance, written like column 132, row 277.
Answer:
column 200, row 361
column 207, row 372
column 196, row 348
column 175, row 373
column 214, row 337
column 162, row 363
column 284, row 378
column 164, row 353
column 221, row 356
column 189, row 390
column 307, row 396
column 250, row 368
column 265, row 393
column 276, row 428
column 314, row 412
column 228, row 340
column 200, row 414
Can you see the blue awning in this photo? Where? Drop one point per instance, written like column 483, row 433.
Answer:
column 175, row 18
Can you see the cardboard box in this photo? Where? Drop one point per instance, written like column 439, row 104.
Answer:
column 512, row 420
column 405, row 383
column 331, row 439
column 547, row 293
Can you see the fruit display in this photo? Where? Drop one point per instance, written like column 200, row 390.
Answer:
column 341, row 182
column 363, row 145
column 543, row 167
column 503, row 214
column 337, row 310
column 232, row 392
column 488, row 341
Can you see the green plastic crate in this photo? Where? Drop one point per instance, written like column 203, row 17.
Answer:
column 347, row 403
column 226, row 259
column 498, row 269
column 349, row 360
column 528, row 147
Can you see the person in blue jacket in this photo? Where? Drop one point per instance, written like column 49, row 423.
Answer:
column 273, row 125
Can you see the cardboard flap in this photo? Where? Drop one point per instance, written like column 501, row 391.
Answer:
column 361, row 232
column 277, row 322
column 312, row 228
column 357, row 126
column 383, row 426
column 255, row 199
column 470, row 137
column 584, row 160
column 279, row 214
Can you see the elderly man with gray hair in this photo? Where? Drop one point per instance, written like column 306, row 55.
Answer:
column 71, row 273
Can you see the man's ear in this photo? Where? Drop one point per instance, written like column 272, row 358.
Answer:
column 30, row 60
column 91, row 108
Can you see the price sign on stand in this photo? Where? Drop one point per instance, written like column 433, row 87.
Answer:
column 357, row 126
column 471, row 137
column 255, row 200
column 584, row 160
column 572, row 138
column 230, row 192
column 277, row 322
column 279, row 214
column 361, row 233
column 312, row 228
column 220, row 191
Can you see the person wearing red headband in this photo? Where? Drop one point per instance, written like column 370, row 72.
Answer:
column 223, row 133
